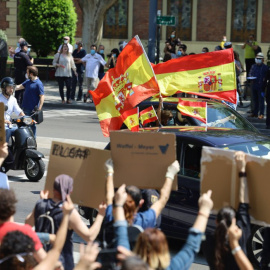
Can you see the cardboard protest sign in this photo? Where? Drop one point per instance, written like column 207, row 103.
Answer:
column 142, row 158
column 2, row 123
column 85, row 165
column 220, row 174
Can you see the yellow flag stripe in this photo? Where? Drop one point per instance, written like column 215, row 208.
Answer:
column 188, row 81
column 132, row 121
column 106, row 108
column 193, row 111
column 140, row 71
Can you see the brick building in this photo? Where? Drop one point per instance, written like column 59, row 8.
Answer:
column 199, row 23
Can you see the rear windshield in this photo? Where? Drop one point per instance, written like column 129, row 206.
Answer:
column 260, row 148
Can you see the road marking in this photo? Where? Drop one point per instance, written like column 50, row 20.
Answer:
column 69, row 112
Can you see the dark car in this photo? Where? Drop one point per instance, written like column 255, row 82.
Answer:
column 182, row 207
column 216, row 111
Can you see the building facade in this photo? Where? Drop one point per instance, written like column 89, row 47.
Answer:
column 199, row 23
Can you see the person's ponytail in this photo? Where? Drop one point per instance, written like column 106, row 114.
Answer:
column 224, row 220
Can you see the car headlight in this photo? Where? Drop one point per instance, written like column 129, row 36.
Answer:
column 27, row 120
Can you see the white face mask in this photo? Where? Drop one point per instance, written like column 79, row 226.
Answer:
column 26, row 76
column 258, row 61
column 65, row 41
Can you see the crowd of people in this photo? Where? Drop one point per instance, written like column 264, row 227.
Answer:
column 144, row 247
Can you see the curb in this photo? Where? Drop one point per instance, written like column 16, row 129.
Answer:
column 83, row 106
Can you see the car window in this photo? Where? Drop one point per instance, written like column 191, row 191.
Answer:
column 191, row 164
column 260, row 148
column 225, row 117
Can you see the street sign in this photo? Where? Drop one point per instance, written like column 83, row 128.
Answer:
column 166, row 20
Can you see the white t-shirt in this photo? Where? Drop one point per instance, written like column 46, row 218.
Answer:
column 93, row 63
column 12, row 104
column 70, row 48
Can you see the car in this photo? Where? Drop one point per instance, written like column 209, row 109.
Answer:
column 216, row 111
column 182, row 207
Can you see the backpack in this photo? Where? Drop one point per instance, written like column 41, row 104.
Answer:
column 47, row 216
column 258, row 50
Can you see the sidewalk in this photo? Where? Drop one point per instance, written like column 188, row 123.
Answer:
column 53, row 100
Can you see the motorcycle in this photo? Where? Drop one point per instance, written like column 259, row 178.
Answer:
column 23, row 154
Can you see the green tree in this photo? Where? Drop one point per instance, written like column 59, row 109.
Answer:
column 44, row 23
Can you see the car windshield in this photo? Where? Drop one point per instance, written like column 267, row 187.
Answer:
column 260, row 148
column 223, row 116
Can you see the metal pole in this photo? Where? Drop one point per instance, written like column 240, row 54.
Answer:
column 152, row 30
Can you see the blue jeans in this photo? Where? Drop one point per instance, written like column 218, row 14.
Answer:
column 74, row 85
column 258, row 100
column 10, row 132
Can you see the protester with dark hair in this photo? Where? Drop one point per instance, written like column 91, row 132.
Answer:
column 33, row 95
column 16, row 250
column 7, row 224
column 100, row 51
column 171, row 43
column 216, row 248
column 112, row 58
column 205, row 50
column 152, row 245
column 218, row 48
column 134, row 199
column 63, row 185
column 182, row 50
column 78, row 54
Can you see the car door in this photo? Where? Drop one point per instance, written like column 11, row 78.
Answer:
column 182, row 207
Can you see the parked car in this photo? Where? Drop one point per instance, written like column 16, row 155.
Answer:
column 182, row 207
column 216, row 111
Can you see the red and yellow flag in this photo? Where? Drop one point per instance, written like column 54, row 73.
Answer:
column 131, row 119
column 148, row 115
column 195, row 109
column 208, row 74
column 123, row 87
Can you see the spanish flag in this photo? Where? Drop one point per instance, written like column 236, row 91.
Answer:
column 196, row 110
column 131, row 119
column 148, row 115
column 123, row 87
column 209, row 74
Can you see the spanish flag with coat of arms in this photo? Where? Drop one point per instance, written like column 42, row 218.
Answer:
column 148, row 115
column 131, row 119
column 123, row 87
column 194, row 109
column 209, row 75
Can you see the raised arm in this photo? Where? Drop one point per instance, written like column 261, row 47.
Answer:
column 109, row 188
column 53, row 255
column 240, row 158
column 81, row 229
column 235, row 234
column 165, row 191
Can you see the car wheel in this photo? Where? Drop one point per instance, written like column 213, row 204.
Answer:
column 255, row 244
column 34, row 169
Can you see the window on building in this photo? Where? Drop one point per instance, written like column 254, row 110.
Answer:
column 115, row 24
column 182, row 10
column 244, row 19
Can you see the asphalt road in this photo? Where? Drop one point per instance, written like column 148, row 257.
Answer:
column 72, row 124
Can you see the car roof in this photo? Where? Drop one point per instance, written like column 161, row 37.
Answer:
column 213, row 136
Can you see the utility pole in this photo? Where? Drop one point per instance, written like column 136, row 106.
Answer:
column 152, row 30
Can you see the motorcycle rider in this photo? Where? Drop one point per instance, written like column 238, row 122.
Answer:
column 7, row 86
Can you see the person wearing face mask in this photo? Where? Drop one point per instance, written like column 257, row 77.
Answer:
column 250, row 46
column 171, row 43
column 205, row 50
column 224, row 39
column 259, row 72
column 93, row 61
column 11, row 50
column 78, row 54
column 34, row 93
column 182, row 51
column 21, row 61
column 113, row 58
column 66, row 40
column 101, row 72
